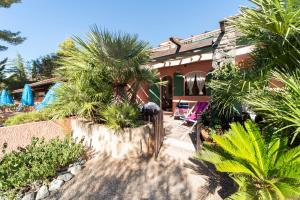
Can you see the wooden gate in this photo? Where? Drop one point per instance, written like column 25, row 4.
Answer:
column 159, row 131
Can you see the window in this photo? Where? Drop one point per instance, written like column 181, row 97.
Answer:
column 194, row 83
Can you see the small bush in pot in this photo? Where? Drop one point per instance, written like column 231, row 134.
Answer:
column 210, row 126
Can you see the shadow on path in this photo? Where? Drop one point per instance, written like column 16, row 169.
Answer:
column 143, row 178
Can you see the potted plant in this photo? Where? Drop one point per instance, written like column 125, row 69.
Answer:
column 209, row 126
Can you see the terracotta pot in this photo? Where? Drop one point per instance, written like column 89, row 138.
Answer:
column 205, row 135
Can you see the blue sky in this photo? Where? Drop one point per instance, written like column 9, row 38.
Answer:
column 46, row 23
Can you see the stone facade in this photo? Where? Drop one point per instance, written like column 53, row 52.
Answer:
column 225, row 45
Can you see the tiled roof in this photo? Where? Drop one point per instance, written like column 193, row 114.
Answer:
column 183, row 48
column 39, row 83
column 194, row 42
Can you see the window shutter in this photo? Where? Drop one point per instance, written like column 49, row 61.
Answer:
column 178, row 85
column 154, row 94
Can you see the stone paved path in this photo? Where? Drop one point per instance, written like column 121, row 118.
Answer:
column 174, row 175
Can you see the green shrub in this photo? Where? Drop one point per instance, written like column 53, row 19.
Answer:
column 26, row 117
column 38, row 161
column 280, row 107
column 262, row 169
column 120, row 116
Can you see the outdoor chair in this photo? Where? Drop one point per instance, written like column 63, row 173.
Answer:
column 193, row 117
column 181, row 110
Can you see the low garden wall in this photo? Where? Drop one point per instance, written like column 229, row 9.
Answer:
column 132, row 142
column 21, row 135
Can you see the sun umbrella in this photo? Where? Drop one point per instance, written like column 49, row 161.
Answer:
column 49, row 97
column 27, row 96
column 5, row 98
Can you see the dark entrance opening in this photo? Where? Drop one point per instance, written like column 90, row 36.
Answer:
column 167, row 96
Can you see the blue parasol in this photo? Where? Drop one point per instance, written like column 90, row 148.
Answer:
column 27, row 96
column 5, row 98
column 49, row 97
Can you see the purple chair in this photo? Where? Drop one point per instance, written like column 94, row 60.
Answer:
column 199, row 108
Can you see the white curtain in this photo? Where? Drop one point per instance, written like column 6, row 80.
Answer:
column 190, row 79
column 200, row 78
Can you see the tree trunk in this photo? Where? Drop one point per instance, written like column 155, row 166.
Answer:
column 119, row 93
column 135, row 88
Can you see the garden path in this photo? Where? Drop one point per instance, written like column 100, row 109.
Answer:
column 174, row 175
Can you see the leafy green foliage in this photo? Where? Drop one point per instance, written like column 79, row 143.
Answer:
column 280, row 107
column 27, row 117
column 2, row 74
column 83, row 97
column 38, row 161
column 229, row 86
column 99, row 70
column 9, row 37
column 263, row 170
column 18, row 75
column 65, row 46
column 120, row 116
column 44, row 67
column 8, row 3
column 13, row 38
column 119, row 55
column 227, row 95
column 10, row 108
column 274, row 27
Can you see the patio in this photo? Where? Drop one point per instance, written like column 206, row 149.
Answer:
column 173, row 175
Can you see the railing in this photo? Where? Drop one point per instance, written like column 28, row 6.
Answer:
column 159, row 131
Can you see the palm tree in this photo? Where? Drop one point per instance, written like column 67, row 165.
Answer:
column 274, row 27
column 263, row 170
column 230, row 85
column 280, row 107
column 122, row 56
column 17, row 74
column 104, row 68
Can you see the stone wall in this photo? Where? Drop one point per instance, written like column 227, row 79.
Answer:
column 225, row 45
column 21, row 135
column 133, row 142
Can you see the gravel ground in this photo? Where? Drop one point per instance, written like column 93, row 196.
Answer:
column 174, row 175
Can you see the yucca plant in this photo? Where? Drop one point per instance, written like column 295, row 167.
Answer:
column 102, row 69
column 262, row 170
column 230, row 85
column 120, row 116
column 121, row 57
column 274, row 27
column 280, row 107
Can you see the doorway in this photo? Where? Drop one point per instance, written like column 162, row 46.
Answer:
column 167, row 95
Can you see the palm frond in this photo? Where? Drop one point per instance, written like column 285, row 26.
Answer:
column 262, row 170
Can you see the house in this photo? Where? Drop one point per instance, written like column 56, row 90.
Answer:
column 184, row 64
column 39, row 89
